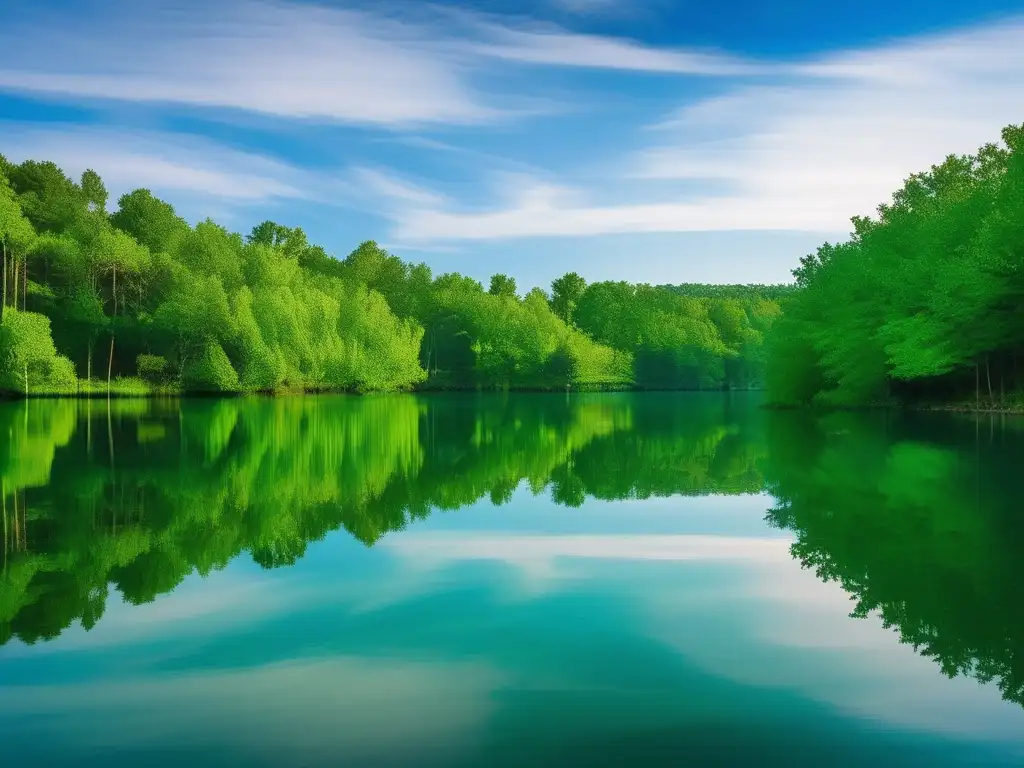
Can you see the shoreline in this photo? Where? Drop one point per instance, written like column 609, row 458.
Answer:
column 1011, row 410
column 170, row 394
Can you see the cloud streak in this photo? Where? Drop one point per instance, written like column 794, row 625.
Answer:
column 297, row 60
column 285, row 60
column 555, row 47
column 166, row 162
column 801, row 156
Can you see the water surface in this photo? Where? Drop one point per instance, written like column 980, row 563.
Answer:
column 616, row 579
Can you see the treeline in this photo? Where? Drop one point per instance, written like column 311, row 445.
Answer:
column 137, row 300
column 135, row 495
column 923, row 304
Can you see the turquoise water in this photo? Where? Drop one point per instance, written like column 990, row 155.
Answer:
column 508, row 580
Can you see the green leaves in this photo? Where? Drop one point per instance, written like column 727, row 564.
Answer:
column 917, row 298
column 28, row 359
column 209, row 371
column 151, row 221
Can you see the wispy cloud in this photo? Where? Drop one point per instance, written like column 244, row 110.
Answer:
column 127, row 160
column 285, row 59
column 389, row 186
column 806, row 155
column 205, row 178
column 302, row 61
column 553, row 46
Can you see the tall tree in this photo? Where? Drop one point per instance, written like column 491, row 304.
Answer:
column 565, row 295
column 503, row 285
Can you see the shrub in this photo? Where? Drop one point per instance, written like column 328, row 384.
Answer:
column 152, row 368
column 210, row 371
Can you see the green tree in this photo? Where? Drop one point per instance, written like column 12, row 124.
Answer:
column 565, row 295
column 503, row 285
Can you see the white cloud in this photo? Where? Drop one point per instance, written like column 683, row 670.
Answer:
column 202, row 175
column 553, row 46
column 299, row 60
column 127, row 160
column 805, row 156
column 295, row 60
column 390, row 186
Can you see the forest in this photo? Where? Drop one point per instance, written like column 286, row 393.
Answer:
column 137, row 301
column 922, row 306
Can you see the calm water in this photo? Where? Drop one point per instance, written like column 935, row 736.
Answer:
column 524, row 580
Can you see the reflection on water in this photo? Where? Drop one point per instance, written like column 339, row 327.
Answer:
column 621, row 583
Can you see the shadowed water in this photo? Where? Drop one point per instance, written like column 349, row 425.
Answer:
column 641, row 579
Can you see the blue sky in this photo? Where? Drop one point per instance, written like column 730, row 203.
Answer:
column 646, row 140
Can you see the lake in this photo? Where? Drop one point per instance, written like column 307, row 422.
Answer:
column 488, row 580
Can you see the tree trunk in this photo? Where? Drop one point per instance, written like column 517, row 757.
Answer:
column 113, row 290
column 3, row 302
column 88, row 365
column 1002, row 388
column 24, row 292
column 110, row 363
column 14, row 284
column 988, row 378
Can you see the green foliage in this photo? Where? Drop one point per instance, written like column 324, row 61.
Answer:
column 923, row 302
column 271, row 312
column 565, row 295
column 678, row 341
column 209, row 371
column 28, row 359
column 503, row 285
column 151, row 221
column 152, row 368
column 50, row 200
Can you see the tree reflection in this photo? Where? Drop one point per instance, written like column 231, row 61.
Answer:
column 139, row 494
column 918, row 519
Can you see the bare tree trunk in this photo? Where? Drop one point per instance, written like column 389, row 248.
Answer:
column 3, row 302
column 24, row 292
column 14, row 284
column 113, row 290
column 988, row 378
column 1002, row 388
column 110, row 363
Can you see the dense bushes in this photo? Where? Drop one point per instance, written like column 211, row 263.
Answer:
column 28, row 359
